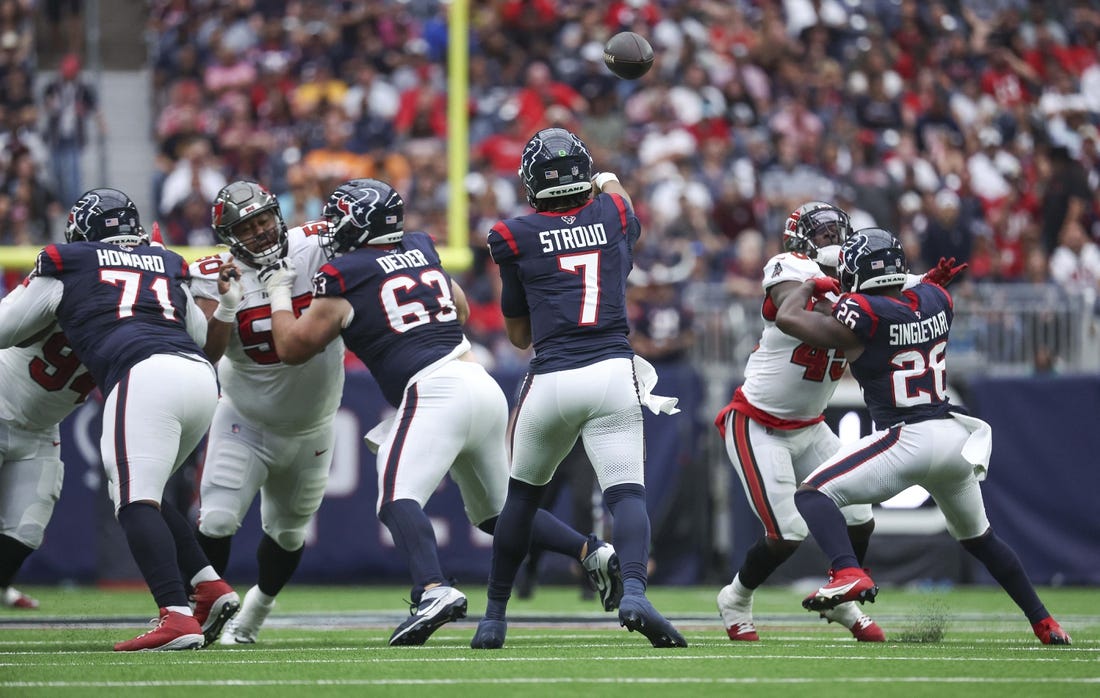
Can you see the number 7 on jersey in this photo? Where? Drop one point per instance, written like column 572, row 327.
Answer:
column 587, row 266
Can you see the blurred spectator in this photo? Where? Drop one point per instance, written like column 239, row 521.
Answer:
column 303, row 199
column 1065, row 194
column 1075, row 263
column 70, row 111
column 195, row 173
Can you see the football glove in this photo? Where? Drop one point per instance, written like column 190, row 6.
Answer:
column 278, row 278
column 824, row 285
column 945, row 271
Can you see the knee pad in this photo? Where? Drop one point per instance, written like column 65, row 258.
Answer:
column 287, row 538
column 218, row 524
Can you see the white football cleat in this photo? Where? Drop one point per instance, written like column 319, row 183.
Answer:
column 736, row 616
column 243, row 628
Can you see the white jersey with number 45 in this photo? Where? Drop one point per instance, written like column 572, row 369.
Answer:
column 262, row 388
column 784, row 377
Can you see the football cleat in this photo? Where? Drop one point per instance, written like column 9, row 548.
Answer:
column 637, row 613
column 13, row 598
column 437, row 606
column 490, row 634
column 736, row 616
column 243, row 628
column 847, row 584
column 602, row 567
column 859, row 623
column 214, row 603
column 173, row 631
column 1050, row 633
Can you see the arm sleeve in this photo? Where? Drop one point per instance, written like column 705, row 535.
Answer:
column 513, row 299
column 29, row 309
column 196, row 319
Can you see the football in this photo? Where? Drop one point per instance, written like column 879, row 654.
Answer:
column 628, row 55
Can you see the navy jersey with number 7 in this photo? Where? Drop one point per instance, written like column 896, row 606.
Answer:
column 567, row 270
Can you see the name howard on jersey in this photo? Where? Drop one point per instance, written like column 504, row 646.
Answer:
column 118, row 258
column 402, row 260
column 572, row 238
column 920, row 331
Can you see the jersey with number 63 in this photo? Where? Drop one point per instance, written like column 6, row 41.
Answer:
column 404, row 312
column 261, row 387
column 784, row 377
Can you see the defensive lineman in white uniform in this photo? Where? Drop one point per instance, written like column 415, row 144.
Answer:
column 43, row 383
column 273, row 428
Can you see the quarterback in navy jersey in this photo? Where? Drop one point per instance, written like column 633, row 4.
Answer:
column 384, row 291
column 896, row 343
column 130, row 318
column 563, row 270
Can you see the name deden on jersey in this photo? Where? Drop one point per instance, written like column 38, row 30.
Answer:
column 402, row 260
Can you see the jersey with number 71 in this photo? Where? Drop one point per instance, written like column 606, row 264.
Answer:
column 567, row 270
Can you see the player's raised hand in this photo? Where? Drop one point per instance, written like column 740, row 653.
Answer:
column 945, row 271
column 280, row 274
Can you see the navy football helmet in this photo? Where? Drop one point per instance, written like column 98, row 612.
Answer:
column 239, row 221
column 362, row 212
column 817, row 229
column 105, row 215
column 555, row 165
column 872, row 258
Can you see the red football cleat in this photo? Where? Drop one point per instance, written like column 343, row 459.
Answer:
column 848, row 584
column 174, row 631
column 1050, row 633
column 867, row 630
column 214, row 603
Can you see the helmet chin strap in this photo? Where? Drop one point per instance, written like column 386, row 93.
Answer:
column 828, row 256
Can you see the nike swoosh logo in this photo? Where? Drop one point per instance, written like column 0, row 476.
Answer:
column 317, row 453
column 56, row 443
column 839, row 591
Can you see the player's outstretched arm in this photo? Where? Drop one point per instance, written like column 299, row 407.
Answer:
column 222, row 313
column 813, row 328
column 298, row 340
column 28, row 311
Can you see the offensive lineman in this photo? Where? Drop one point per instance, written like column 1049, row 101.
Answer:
column 129, row 316
column 896, row 342
column 273, row 428
column 386, row 293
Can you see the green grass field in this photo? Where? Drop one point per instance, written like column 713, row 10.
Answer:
column 326, row 641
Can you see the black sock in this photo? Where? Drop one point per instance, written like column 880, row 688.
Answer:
column 189, row 556
column 276, row 565
column 827, row 526
column 154, row 550
column 216, row 550
column 413, row 535
column 630, row 523
column 860, row 537
column 12, row 555
column 1002, row 563
column 761, row 560
column 548, row 532
column 511, row 542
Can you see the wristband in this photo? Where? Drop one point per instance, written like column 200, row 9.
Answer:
column 279, row 299
column 225, row 313
column 603, row 178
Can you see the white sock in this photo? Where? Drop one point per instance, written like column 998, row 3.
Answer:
column 263, row 598
column 206, row 574
column 742, row 592
column 185, row 610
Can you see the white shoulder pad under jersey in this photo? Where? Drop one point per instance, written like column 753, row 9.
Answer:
column 784, row 377
column 43, row 382
column 262, row 388
column 789, row 266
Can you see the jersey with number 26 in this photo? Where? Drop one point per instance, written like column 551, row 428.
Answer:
column 405, row 315
column 903, row 367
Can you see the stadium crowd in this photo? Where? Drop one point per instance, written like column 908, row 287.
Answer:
column 967, row 127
